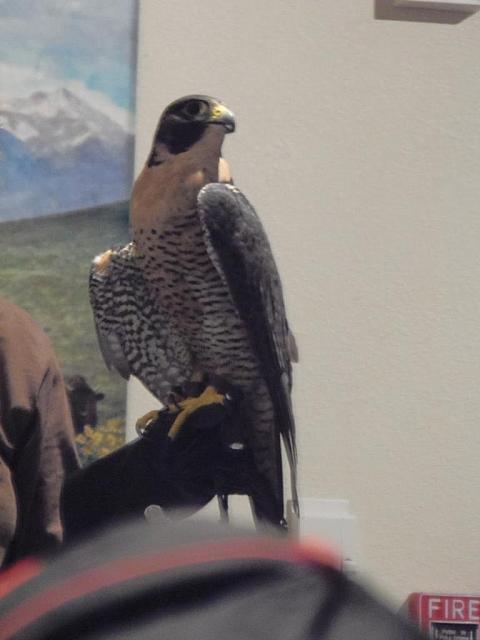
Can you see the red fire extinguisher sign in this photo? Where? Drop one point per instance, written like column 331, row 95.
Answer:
column 446, row 617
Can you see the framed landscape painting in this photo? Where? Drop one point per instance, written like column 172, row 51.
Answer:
column 66, row 163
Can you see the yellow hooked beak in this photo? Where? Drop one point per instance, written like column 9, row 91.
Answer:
column 220, row 114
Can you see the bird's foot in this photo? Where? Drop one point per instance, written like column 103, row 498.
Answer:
column 188, row 390
column 187, row 407
column 144, row 423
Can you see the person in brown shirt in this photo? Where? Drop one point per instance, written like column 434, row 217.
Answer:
column 37, row 446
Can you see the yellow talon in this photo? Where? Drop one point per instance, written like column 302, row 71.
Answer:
column 209, row 396
column 145, row 421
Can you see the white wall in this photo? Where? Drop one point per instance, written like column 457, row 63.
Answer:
column 358, row 141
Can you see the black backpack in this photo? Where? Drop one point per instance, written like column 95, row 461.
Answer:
column 190, row 581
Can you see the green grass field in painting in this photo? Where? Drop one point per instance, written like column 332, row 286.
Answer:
column 44, row 266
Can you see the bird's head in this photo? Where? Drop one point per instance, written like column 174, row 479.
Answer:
column 186, row 123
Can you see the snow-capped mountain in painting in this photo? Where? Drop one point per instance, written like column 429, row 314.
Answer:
column 58, row 153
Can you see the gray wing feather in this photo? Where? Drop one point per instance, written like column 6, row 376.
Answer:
column 112, row 352
column 135, row 337
column 238, row 247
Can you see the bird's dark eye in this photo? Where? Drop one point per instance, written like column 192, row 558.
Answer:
column 194, row 108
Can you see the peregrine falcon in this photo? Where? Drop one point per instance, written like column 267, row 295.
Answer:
column 197, row 292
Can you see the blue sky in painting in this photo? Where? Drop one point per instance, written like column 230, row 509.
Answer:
column 87, row 46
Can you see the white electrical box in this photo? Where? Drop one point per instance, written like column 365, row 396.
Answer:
column 469, row 6
column 329, row 520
